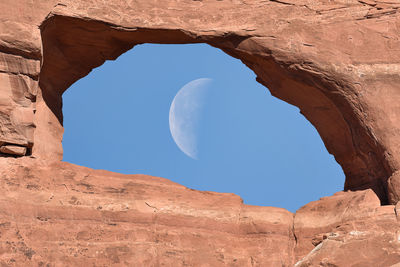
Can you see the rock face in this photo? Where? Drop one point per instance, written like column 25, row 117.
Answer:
column 65, row 215
column 347, row 229
column 338, row 61
column 20, row 55
column 68, row 215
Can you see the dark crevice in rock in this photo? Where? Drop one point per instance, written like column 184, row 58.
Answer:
column 23, row 53
column 33, row 77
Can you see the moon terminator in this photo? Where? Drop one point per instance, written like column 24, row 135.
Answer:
column 185, row 114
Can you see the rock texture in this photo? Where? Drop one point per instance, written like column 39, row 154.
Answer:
column 20, row 55
column 337, row 60
column 65, row 215
column 347, row 229
column 13, row 150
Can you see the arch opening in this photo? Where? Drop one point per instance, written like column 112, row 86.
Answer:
column 250, row 143
column 298, row 81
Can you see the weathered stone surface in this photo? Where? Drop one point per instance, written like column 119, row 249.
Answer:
column 13, row 150
column 20, row 55
column 347, row 229
column 67, row 215
column 338, row 61
column 394, row 187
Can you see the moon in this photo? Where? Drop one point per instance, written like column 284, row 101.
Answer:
column 185, row 114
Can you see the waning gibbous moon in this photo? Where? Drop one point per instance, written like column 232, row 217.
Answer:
column 185, row 113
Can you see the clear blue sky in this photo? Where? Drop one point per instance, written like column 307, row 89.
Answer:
column 252, row 144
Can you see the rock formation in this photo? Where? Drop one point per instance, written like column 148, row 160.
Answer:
column 65, row 215
column 338, row 61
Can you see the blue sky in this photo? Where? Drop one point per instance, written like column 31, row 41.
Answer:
column 250, row 143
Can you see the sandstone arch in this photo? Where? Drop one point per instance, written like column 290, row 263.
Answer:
column 336, row 60
column 306, row 63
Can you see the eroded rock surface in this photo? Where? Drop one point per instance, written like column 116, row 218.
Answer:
column 13, row 150
column 338, row 61
column 347, row 229
column 20, row 56
column 65, row 215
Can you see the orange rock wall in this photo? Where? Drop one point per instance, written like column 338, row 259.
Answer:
column 65, row 215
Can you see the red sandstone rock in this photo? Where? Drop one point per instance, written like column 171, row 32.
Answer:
column 347, row 229
column 65, row 215
column 20, row 55
column 338, row 61
column 13, row 150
